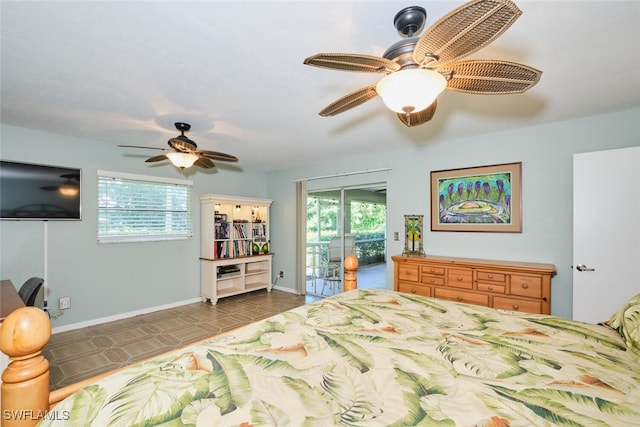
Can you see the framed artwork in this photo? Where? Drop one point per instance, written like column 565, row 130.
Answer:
column 482, row 198
column 413, row 235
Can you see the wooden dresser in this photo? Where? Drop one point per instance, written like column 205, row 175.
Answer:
column 507, row 285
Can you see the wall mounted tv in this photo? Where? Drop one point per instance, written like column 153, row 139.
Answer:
column 39, row 192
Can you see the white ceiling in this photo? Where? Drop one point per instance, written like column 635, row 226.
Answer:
column 124, row 72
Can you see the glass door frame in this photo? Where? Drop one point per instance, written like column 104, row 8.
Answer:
column 319, row 262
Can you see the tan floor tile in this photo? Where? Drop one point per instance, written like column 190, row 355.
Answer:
column 79, row 366
column 83, row 353
column 102, row 341
column 73, row 350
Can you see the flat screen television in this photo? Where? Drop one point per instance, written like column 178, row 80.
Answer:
column 31, row 191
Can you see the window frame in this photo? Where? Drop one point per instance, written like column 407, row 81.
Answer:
column 184, row 234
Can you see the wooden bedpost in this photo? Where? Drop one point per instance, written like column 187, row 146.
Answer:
column 350, row 266
column 25, row 382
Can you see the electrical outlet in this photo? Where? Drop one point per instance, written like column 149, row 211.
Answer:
column 65, row 303
column 281, row 275
column 396, row 236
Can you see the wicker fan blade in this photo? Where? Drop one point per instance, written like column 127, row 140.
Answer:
column 204, row 163
column 157, row 158
column 420, row 117
column 215, row 155
column 138, row 146
column 490, row 77
column 352, row 62
column 349, row 101
column 465, row 30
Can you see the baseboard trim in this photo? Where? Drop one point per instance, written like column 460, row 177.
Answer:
column 281, row 288
column 121, row 316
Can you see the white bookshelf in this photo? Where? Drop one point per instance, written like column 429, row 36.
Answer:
column 235, row 253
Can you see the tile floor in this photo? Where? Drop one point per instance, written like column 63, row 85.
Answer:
column 86, row 352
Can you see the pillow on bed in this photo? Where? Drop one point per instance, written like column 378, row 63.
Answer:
column 627, row 322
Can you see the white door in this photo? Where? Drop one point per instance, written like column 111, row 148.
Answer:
column 606, row 232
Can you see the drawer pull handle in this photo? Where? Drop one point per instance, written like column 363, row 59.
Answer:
column 516, row 306
column 490, row 288
column 413, row 290
column 525, row 286
column 459, row 279
column 490, row 276
column 431, row 281
column 459, row 298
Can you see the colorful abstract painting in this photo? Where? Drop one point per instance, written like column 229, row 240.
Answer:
column 485, row 198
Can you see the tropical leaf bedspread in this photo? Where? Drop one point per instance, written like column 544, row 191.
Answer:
column 379, row 358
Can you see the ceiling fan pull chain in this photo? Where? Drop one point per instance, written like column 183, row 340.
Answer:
column 407, row 113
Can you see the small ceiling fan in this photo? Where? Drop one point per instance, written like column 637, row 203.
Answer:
column 70, row 187
column 184, row 152
column 418, row 69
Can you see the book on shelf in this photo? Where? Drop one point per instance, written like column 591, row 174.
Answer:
column 221, row 249
column 242, row 247
column 239, row 231
column 222, row 230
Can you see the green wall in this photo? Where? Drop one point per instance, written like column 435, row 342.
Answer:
column 105, row 281
column 108, row 279
column 546, row 153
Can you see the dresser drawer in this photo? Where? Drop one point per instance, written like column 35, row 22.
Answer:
column 507, row 285
column 526, row 286
column 459, row 278
column 486, row 276
column 432, row 280
column 491, row 287
column 515, row 304
column 430, row 269
column 408, row 273
column 458, row 296
column 411, row 288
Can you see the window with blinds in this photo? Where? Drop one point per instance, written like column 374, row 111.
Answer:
column 135, row 208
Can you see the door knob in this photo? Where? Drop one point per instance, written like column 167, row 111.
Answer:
column 582, row 267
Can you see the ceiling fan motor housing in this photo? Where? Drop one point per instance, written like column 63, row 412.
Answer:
column 182, row 143
column 410, row 20
column 401, row 52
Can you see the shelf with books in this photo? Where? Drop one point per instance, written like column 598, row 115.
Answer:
column 234, row 231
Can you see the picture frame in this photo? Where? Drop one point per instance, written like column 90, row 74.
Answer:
column 481, row 198
column 413, row 232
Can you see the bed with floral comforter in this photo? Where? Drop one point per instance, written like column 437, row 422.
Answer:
column 380, row 358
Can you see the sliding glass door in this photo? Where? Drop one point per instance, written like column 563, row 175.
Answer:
column 341, row 221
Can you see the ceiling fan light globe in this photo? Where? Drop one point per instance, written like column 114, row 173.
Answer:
column 69, row 190
column 412, row 90
column 182, row 160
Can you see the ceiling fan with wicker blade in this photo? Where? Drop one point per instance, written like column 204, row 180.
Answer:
column 184, row 152
column 418, row 69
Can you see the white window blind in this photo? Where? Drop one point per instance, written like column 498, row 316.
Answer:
column 141, row 208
